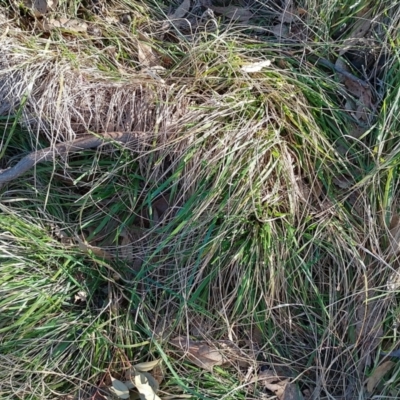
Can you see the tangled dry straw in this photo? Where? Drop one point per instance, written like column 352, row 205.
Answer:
column 246, row 236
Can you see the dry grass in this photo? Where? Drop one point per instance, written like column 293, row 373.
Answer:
column 249, row 212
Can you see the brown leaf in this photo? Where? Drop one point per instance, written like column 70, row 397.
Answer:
column 125, row 249
column 357, row 90
column 280, row 31
column 52, row 4
column 378, row 374
column 87, row 248
column 364, row 95
column 158, row 373
column 236, row 13
column 283, row 389
column 69, row 24
column 199, row 353
column 210, row 354
column 278, row 387
column 160, row 207
column 147, row 55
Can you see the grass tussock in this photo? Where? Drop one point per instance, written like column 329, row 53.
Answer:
column 259, row 208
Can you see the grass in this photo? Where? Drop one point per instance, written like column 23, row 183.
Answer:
column 250, row 211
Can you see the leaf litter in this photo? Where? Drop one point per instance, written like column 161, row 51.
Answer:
column 146, row 385
column 207, row 352
column 282, row 387
column 148, row 57
column 199, row 353
column 68, row 24
column 378, row 375
column 182, row 10
column 119, row 389
column 137, row 378
column 147, row 366
column 256, row 66
column 238, row 14
column 207, row 356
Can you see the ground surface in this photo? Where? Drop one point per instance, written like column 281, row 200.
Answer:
column 243, row 243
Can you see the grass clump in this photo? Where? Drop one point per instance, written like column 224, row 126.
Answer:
column 255, row 208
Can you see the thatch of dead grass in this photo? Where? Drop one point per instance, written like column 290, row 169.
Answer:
column 247, row 213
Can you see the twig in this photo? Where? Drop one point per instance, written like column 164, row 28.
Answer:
column 61, row 149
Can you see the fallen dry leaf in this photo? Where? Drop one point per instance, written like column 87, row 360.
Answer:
column 211, row 354
column 281, row 387
column 359, row 91
column 52, row 4
column 256, row 67
column 80, row 296
column 145, row 384
column 87, row 248
column 364, row 95
column 182, row 10
column 291, row 392
column 111, row 19
column 38, row 7
column 199, row 353
column 125, row 249
column 159, row 208
column 147, row 366
column 69, row 24
column 378, row 374
column 277, row 387
column 119, row 389
column 129, row 384
column 236, row 13
column 158, row 373
column 281, row 31
column 147, row 56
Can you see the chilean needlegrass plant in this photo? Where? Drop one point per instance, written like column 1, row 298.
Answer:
column 259, row 242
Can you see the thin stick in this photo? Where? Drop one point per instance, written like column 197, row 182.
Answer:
column 61, row 149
